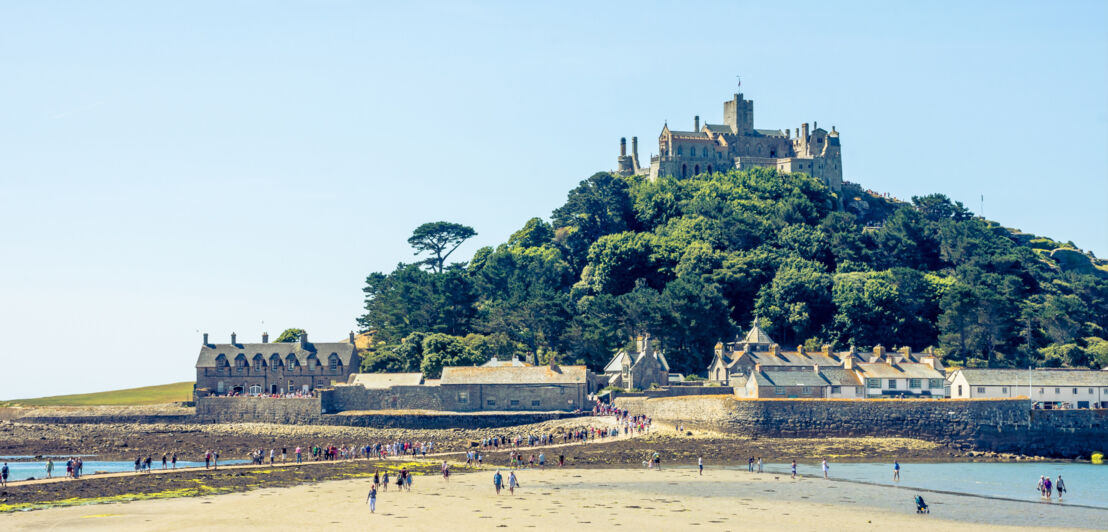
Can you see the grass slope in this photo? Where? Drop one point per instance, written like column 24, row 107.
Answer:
column 147, row 395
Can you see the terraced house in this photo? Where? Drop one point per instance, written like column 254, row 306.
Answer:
column 273, row 368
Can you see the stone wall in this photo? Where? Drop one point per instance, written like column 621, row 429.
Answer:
column 306, row 410
column 456, row 398
column 444, row 420
column 1003, row 425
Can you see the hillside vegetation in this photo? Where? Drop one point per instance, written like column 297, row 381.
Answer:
column 695, row 261
column 147, row 395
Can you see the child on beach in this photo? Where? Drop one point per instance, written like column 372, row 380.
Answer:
column 825, row 468
column 794, row 468
column 700, row 464
column 372, row 498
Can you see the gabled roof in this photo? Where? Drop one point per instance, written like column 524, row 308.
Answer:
column 615, row 365
column 345, row 351
column 690, row 135
column 1038, row 377
column 514, row 375
column 757, row 336
column 718, row 128
column 386, row 380
column 789, row 378
column 904, row 370
column 840, row 377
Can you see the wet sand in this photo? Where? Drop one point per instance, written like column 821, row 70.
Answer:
column 575, row 499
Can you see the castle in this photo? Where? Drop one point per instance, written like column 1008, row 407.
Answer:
column 735, row 144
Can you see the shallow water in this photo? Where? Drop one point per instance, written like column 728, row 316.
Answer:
column 25, row 470
column 1086, row 484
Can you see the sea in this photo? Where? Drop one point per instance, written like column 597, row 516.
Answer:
column 1086, row 484
column 19, row 470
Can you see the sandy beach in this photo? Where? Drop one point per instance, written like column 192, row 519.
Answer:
column 634, row 499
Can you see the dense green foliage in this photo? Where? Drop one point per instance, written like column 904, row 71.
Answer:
column 290, row 335
column 690, row 260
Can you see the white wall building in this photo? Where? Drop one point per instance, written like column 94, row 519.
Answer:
column 1047, row 388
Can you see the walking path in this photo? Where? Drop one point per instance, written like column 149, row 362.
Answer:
column 605, row 420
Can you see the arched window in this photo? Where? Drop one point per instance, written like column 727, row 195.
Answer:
column 221, row 361
column 684, row 170
column 679, row 150
column 333, row 362
column 704, row 152
column 709, row 168
column 255, row 389
column 291, row 362
column 240, row 361
column 696, row 170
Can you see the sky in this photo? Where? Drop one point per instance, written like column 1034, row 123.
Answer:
column 174, row 168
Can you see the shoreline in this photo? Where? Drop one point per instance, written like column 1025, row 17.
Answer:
column 647, row 499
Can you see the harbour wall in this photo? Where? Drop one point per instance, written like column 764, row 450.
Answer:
column 1002, row 425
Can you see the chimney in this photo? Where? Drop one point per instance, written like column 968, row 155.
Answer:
column 553, row 363
column 265, row 338
column 747, row 348
column 906, row 351
column 804, row 129
column 205, row 338
column 696, row 123
column 304, row 339
column 635, row 147
column 826, row 350
column 623, row 146
column 848, row 363
column 930, row 351
column 800, row 350
column 833, row 129
column 929, row 360
column 233, row 342
column 351, row 337
column 638, row 344
column 719, row 348
column 815, row 125
column 773, row 350
column 879, row 350
column 646, row 347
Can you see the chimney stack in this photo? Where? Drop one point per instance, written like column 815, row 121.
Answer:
column 826, row 350
column 352, row 338
column 623, row 146
column 800, row 350
column 773, row 350
column 815, row 125
column 879, row 350
column 804, row 130
column 906, row 351
column 635, row 147
column 265, row 338
column 304, row 339
column 696, row 123
column 848, row 363
column 205, row 338
column 233, row 342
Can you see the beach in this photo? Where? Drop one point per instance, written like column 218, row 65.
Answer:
column 577, row 498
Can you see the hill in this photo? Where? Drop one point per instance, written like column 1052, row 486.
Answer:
column 694, row 261
column 147, row 395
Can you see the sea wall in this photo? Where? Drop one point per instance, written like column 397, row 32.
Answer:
column 444, row 420
column 306, row 410
column 1003, row 425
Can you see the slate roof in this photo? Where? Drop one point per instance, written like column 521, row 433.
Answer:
column 789, row 378
column 321, row 350
column 515, row 375
column 1039, row 377
column 718, row 128
column 908, row 370
column 840, row 377
column 758, row 336
column 386, row 380
column 615, row 365
column 770, row 132
column 690, row 135
column 793, row 358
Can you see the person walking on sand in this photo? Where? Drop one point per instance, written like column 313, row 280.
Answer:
column 700, row 464
column 561, row 460
column 759, row 464
column 497, row 480
column 4, row 475
column 50, row 470
column 372, row 498
column 542, row 461
column 165, row 461
column 896, row 471
column 215, row 460
column 825, row 468
column 299, row 456
column 513, row 483
column 174, row 460
column 794, row 468
column 385, row 481
column 1061, row 487
column 207, row 459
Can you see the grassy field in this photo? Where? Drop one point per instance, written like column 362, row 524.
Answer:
column 147, row 395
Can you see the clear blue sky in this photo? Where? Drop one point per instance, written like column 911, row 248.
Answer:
column 174, row 168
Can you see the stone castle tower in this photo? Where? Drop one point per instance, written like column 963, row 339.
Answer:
column 735, row 144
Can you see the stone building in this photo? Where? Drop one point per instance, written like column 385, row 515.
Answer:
column 736, row 144
column 640, row 369
column 273, row 368
column 1048, row 388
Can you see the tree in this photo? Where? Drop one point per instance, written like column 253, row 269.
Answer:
column 442, row 350
column 290, row 335
column 440, row 239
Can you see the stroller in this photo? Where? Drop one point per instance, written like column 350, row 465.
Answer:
column 921, row 507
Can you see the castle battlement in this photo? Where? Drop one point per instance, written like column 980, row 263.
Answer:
column 735, row 144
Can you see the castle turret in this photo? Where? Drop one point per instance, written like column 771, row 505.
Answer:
column 696, row 123
column 624, row 165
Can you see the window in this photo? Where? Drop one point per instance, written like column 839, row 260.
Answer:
column 490, row 402
column 859, row 390
column 959, row 390
column 535, row 402
column 835, row 390
column 873, row 384
column 219, row 387
column 679, row 150
column 514, row 402
column 704, row 152
column 1090, row 390
column 936, row 383
column 807, row 390
column 1057, row 390
column 779, row 390
column 892, row 384
column 980, row 389
column 1003, row 389
column 463, row 397
column 1075, row 391
column 913, row 383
